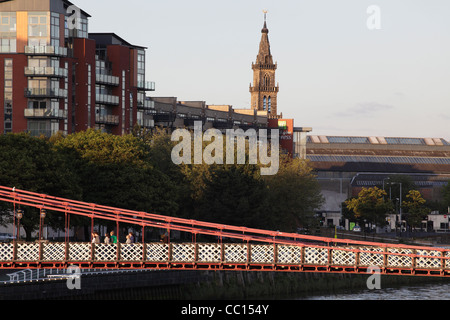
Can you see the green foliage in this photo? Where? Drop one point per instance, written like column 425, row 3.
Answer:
column 415, row 208
column 370, row 205
column 294, row 194
column 32, row 164
column 136, row 172
column 234, row 195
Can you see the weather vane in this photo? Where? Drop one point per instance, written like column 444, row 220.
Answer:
column 265, row 14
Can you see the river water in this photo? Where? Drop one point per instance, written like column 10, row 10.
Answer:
column 419, row 292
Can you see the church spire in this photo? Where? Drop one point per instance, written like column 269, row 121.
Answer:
column 264, row 55
column 264, row 90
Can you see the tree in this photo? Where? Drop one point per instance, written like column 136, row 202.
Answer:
column 235, row 195
column 117, row 171
column 415, row 208
column 370, row 206
column 393, row 183
column 294, row 194
column 32, row 164
column 446, row 195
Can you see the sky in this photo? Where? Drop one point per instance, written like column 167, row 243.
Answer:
column 343, row 69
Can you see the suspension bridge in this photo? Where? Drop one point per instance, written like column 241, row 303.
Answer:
column 232, row 247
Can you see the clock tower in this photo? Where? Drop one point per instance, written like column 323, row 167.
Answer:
column 264, row 89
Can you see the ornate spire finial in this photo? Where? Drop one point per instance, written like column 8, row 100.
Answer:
column 265, row 30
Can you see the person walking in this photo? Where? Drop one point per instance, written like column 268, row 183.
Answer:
column 113, row 238
column 95, row 237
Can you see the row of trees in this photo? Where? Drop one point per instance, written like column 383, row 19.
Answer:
column 372, row 205
column 136, row 172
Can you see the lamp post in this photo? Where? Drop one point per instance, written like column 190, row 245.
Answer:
column 41, row 220
column 19, row 215
column 400, row 205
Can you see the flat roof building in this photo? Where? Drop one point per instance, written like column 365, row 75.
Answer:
column 345, row 165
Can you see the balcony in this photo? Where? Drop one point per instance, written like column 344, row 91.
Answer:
column 146, row 85
column 107, row 119
column 46, row 51
column 53, row 72
column 45, row 93
column 146, row 123
column 107, row 79
column 107, row 99
column 146, row 104
column 45, row 114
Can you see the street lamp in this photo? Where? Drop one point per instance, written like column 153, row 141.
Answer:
column 41, row 220
column 400, row 205
column 19, row 215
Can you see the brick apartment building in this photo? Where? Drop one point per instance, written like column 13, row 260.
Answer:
column 57, row 77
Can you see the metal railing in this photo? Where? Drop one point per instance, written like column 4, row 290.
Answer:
column 45, row 93
column 45, row 113
column 44, row 275
column 46, row 71
column 46, row 50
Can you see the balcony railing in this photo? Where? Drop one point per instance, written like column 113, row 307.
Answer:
column 107, row 99
column 146, row 104
column 107, row 79
column 46, row 113
column 46, row 72
column 38, row 133
column 45, row 93
column 107, row 119
column 146, row 123
column 146, row 85
column 46, row 51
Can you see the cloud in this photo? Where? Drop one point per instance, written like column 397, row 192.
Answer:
column 364, row 109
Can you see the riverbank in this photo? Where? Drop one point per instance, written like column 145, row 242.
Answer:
column 272, row 285
column 205, row 285
column 242, row 285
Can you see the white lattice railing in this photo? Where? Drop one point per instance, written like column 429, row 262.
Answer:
column 227, row 253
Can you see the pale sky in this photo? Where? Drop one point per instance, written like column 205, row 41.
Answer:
column 335, row 74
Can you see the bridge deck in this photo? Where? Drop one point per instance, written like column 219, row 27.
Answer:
column 229, row 256
column 253, row 249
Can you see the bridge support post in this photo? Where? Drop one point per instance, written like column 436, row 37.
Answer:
column 414, row 261
column 144, row 252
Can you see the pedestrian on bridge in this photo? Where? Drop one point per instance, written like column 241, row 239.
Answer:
column 95, row 237
column 113, row 237
column 130, row 234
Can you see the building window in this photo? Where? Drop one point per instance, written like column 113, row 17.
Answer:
column 38, row 28
column 269, row 105
column 89, row 90
column 123, row 100
column 266, row 80
column 141, row 67
column 264, row 103
column 8, row 98
column 54, row 29
column 8, row 34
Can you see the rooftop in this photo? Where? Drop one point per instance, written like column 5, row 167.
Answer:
column 377, row 140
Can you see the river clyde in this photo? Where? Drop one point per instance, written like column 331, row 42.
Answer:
column 421, row 292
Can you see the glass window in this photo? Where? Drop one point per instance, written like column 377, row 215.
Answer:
column 38, row 27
